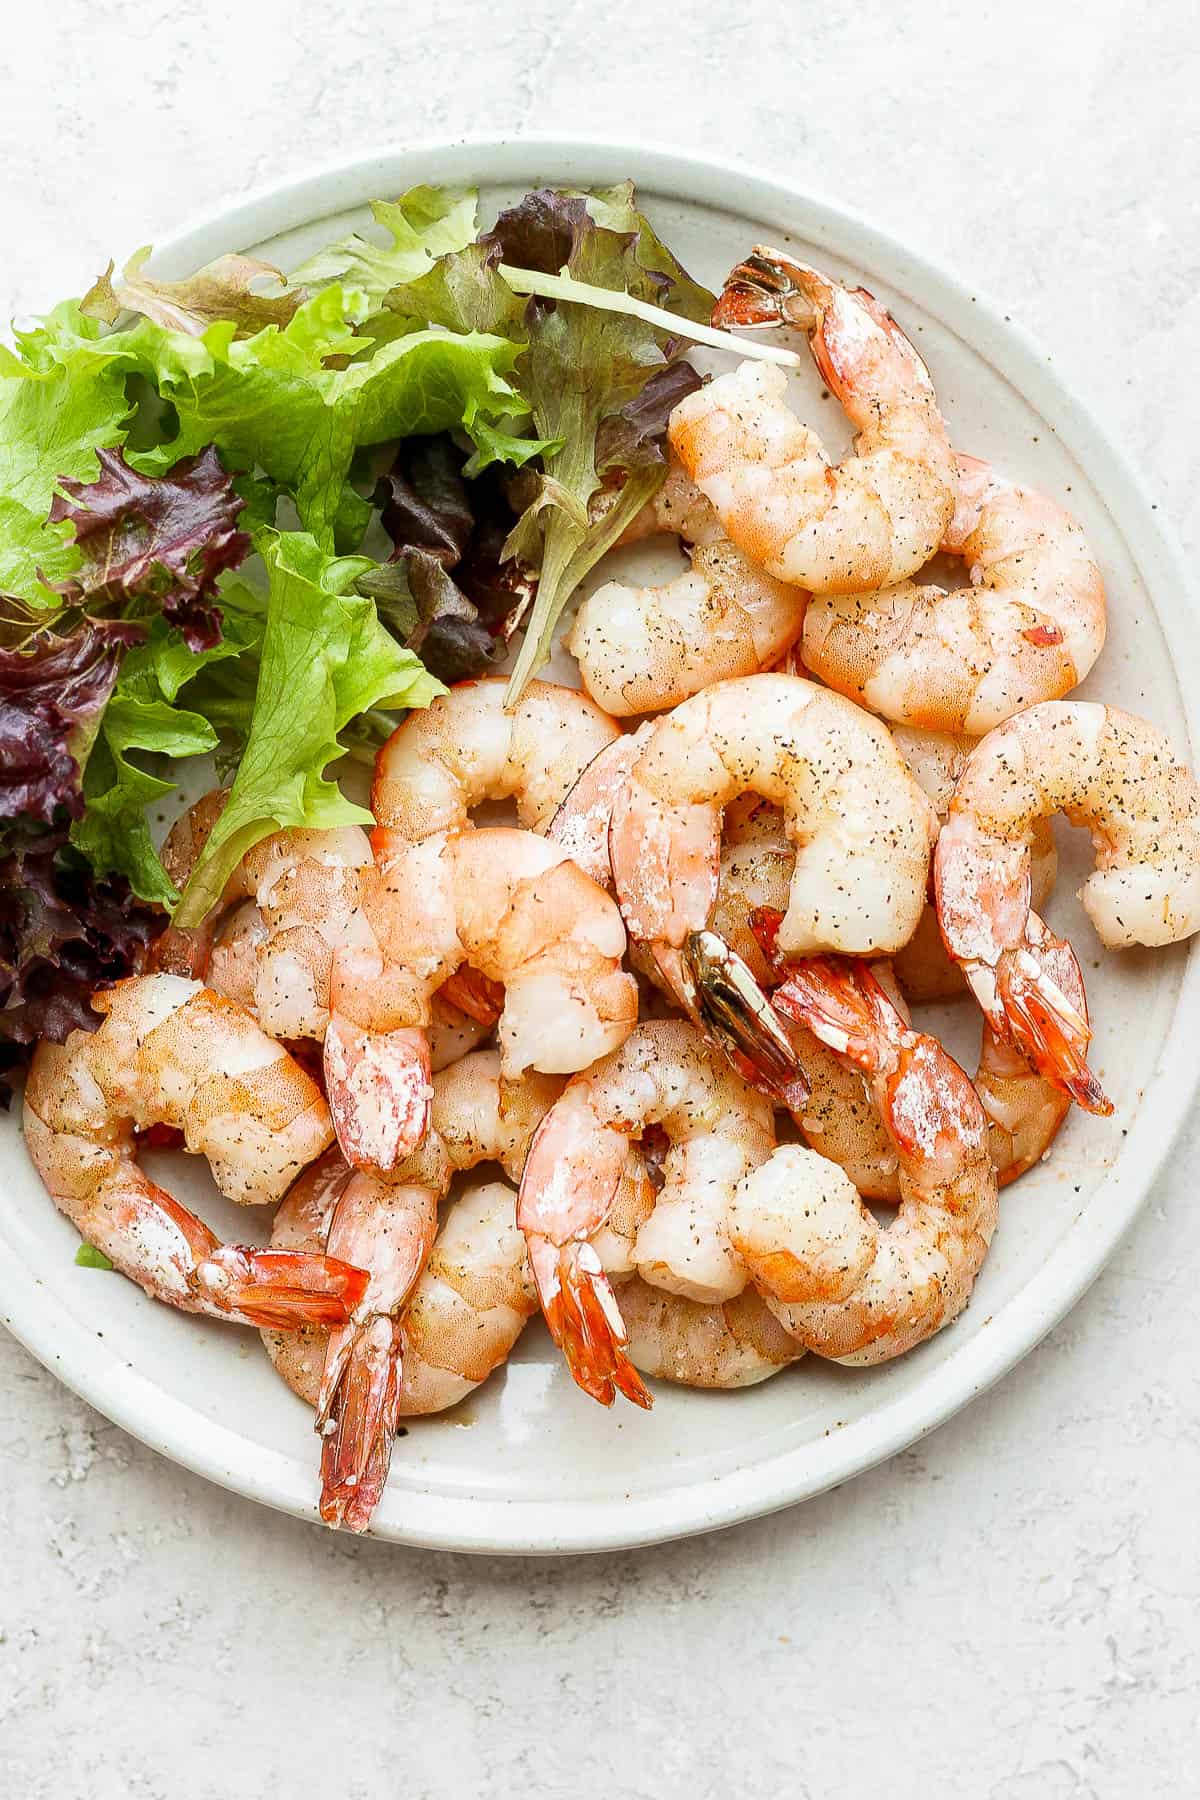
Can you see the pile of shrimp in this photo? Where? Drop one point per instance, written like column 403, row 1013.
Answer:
column 643, row 1062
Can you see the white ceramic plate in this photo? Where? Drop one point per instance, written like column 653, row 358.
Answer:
column 529, row 1464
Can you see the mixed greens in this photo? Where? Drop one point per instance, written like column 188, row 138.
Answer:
column 252, row 517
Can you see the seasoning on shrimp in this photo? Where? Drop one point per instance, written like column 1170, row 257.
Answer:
column 171, row 1052
column 1028, row 628
column 1111, row 772
column 717, row 1128
column 872, row 519
column 842, row 1285
column 862, row 827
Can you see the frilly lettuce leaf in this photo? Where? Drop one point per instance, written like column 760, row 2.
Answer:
column 144, row 731
column 229, row 288
column 274, row 402
column 325, row 658
column 295, row 402
column 588, row 374
column 425, row 223
column 53, row 690
column 56, row 411
column 159, row 541
column 595, row 380
column 63, row 932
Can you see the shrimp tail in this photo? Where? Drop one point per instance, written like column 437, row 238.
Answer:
column 474, row 994
column 760, row 294
column 358, row 1411
column 1038, row 1018
column 731, row 1008
column 378, row 1084
column 585, row 1321
column 843, row 1005
column 278, row 1290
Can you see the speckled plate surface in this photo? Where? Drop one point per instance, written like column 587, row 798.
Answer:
column 529, row 1464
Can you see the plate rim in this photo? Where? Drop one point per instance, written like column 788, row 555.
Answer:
column 545, row 1525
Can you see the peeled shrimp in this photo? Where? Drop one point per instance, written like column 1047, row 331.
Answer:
column 717, row 1128
column 838, row 1115
column 229, row 963
column 292, row 956
column 521, row 912
column 465, row 748
column 923, row 967
column 462, row 1316
column 171, row 1052
column 840, row 1284
column 1024, row 1109
column 731, row 1344
column 862, row 826
column 581, row 824
column 389, row 1226
column 1028, row 628
column 642, row 649
column 1111, row 772
column 877, row 516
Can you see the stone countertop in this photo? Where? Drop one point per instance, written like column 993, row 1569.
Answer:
column 1007, row 1610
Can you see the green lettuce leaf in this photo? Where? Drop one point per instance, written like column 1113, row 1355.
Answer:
column 325, row 659
column 127, row 773
column 56, row 411
column 273, row 401
column 425, row 223
column 294, row 402
column 586, row 373
column 88, row 1257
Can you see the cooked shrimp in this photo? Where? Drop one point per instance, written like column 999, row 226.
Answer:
column 465, row 1312
column 730, row 1344
column 717, row 1128
column 582, row 822
column 1028, row 628
column 465, row 748
column 473, row 1300
column 838, row 1115
column 522, row 914
column 171, row 1052
column 923, row 967
column 839, row 1283
column 862, row 826
column 480, row 1116
column 230, row 966
column 1111, row 772
column 389, row 1228
column 642, row 649
column 876, row 517
column 677, row 509
column 291, row 958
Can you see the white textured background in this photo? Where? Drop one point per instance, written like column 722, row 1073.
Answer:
column 1009, row 1610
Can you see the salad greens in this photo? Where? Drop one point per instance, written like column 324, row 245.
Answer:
column 582, row 370
column 192, row 473
column 88, row 1257
column 324, row 659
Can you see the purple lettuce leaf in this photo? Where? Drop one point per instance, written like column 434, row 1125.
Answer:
column 52, row 692
column 165, row 539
